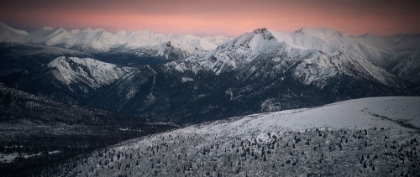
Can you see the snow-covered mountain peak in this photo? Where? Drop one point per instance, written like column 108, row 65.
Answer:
column 9, row 34
column 124, row 33
column 75, row 31
column 6, row 28
column 128, row 34
column 90, row 30
column 315, row 54
column 241, row 51
column 50, row 36
column 87, row 30
column 173, row 48
column 169, row 43
column 218, row 40
column 144, row 32
column 322, row 32
column 190, row 36
column 324, row 39
column 265, row 33
column 41, row 30
column 46, row 28
column 58, row 29
column 86, row 70
column 260, row 30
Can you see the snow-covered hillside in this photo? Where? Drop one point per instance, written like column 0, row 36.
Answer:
column 86, row 70
column 9, row 34
column 399, row 113
column 103, row 41
column 363, row 137
column 361, row 113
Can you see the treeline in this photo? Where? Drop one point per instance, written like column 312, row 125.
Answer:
column 48, row 151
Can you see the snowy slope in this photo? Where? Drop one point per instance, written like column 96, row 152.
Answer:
column 86, row 70
column 358, row 113
column 343, row 139
column 97, row 39
column 9, row 34
column 50, row 36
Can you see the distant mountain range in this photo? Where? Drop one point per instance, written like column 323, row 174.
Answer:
column 99, row 40
column 171, row 78
column 124, row 47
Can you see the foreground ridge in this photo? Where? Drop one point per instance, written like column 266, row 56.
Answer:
column 316, row 141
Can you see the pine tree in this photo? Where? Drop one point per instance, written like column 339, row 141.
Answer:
column 363, row 159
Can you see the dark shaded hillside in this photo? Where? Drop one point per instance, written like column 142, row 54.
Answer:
column 19, row 57
column 20, row 106
column 164, row 95
column 38, row 132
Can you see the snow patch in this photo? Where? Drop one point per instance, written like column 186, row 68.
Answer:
column 186, row 79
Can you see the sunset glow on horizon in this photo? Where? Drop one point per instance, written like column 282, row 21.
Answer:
column 228, row 17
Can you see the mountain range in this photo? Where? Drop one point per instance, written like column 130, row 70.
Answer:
column 130, row 47
column 260, row 71
column 103, row 41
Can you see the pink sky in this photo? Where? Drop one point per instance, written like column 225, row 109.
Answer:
column 223, row 17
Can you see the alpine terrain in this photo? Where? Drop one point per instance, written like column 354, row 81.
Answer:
column 313, row 102
column 260, row 71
